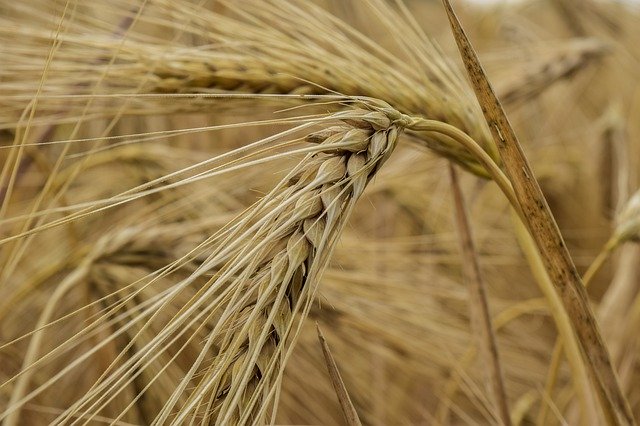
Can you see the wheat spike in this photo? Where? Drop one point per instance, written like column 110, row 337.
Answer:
column 561, row 65
column 265, row 270
column 261, row 48
column 324, row 191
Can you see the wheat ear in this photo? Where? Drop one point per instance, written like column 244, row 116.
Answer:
column 265, row 268
column 324, row 191
column 304, row 53
column 562, row 65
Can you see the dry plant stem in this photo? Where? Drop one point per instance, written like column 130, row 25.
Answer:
column 478, row 299
column 491, row 168
column 348, row 410
column 31, row 355
column 556, row 357
column 503, row 318
column 544, row 230
column 523, row 405
column 557, row 348
column 599, row 261
column 593, row 269
column 563, row 323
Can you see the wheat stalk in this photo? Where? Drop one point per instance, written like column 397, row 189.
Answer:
column 348, row 410
column 481, row 317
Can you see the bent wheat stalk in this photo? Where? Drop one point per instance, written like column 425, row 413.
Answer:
column 273, row 47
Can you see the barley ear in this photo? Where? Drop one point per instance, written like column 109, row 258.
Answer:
column 314, row 208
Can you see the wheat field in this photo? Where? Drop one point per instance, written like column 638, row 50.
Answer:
column 385, row 212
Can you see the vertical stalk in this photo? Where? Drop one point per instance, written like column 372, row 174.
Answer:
column 478, row 298
column 544, row 230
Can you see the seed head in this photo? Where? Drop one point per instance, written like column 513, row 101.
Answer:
column 628, row 228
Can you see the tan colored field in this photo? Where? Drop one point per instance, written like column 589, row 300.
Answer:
column 319, row 212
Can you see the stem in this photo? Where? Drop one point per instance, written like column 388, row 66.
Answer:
column 556, row 357
column 557, row 348
column 15, row 405
column 563, row 323
column 497, row 175
column 599, row 261
column 555, row 257
column 478, row 296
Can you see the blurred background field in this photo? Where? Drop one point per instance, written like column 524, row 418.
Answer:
column 392, row 303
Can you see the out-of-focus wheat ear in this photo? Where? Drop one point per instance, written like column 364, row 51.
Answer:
column 273, row 59
column 627, row 229
column 348, row 410
column 544, row 230
column 302, row 55
column 480, row 315
column 562, row 65
column 238, row 74
column 620, row 294
column 613, row 161
column 581, row 15
column 628, row 223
